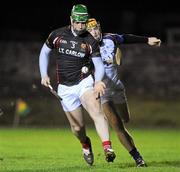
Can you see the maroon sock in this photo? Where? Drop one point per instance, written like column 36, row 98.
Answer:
column 106, row 144
column 85, row 144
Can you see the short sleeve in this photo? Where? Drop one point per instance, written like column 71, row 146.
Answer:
column 50, row 39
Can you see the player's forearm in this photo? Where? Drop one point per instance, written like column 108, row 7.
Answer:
column 130, row 39
column 44, row 60
column 99, row 69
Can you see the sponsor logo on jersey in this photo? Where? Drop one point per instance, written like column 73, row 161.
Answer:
column 59, row 40
column 71, row 52
column 63, row 41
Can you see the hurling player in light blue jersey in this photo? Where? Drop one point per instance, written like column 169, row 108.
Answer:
column 115, row 91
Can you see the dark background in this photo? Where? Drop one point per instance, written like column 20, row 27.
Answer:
column 34, row 20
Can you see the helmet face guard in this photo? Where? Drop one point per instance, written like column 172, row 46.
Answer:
column 79, row 13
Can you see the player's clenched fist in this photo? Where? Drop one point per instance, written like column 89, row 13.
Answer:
column 154, row 41
column 99, row 88
column 45, row 81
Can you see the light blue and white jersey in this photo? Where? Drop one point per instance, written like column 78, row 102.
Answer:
column 114, row 87
column 115, row 90
column 108, row 50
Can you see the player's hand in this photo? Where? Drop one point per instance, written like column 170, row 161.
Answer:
column 154, row 41
column 45, row 81
column 99, row 89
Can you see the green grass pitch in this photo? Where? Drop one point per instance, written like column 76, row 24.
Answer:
column 57, row 150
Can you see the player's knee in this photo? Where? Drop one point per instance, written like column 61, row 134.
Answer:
column 99, row 117
column 76, row 128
